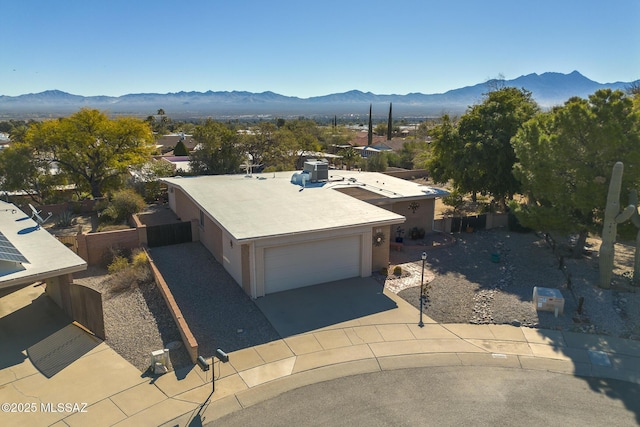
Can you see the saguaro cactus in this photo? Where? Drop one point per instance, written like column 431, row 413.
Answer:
column 635, row 220
column 612, row 217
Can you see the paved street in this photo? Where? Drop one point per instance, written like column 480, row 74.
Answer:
column 450, row 396
column 376, row 368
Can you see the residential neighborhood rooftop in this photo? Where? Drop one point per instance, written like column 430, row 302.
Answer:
column 269, row 204
column 45, row 256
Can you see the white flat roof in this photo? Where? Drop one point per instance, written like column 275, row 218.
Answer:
column 269, row 205
column 384, row 185
column 46, row 256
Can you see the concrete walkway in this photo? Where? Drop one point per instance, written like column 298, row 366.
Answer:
column 101, row 388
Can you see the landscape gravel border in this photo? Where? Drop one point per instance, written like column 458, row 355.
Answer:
column 468, row 286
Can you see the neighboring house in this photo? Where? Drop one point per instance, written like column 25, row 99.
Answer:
column 180, row 164
column 278, row 231
column 166, row 143
column 29, row 254
column 367, row 150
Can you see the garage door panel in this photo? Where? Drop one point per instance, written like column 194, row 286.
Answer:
column 304, row 264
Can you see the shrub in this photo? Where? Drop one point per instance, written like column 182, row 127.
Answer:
column 123, row 204
column 397, row 270
column 139, row 259
column 64, row 219
column 118, row 264
column 416, row 233
column 454, row 199
column 384, row 271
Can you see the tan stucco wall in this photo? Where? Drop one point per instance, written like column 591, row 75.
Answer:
column 211, row 237
column 421, row 218
column 208, row 233
column 94, row 247
column 246, row 269
column 182, row 206
column 232, row 257
column 380, row 254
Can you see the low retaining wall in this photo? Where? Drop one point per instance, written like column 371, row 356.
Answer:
column 92, row 247
column 188, row 339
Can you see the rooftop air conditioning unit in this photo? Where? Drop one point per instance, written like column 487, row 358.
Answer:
column 318, row 170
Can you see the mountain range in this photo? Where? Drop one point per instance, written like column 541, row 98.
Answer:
column 548, row 89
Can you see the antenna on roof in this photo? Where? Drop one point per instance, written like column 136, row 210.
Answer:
column 248, row 166
column 36, row 216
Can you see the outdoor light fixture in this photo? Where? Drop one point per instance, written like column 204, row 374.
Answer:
column 422, row 295
column 202, row 363
column 224, row 357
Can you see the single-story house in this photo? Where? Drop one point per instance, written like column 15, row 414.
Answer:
column 278, row 231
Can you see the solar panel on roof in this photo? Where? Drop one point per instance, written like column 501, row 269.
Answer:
column 8, row 252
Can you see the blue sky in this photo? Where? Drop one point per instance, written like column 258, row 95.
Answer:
column 304, row 49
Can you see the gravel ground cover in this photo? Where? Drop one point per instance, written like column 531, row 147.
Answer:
column 219, row 313
column 465, row 285
column 137, row 320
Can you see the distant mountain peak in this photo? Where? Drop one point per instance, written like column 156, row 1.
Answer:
column 548, row 89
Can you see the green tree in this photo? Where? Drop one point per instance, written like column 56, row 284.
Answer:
column 334, row 136
column 486, row 131
column 408, row 153
column 180, row 149
column 441, row 160
column 283, row 153
column 380, row 129
column 21, row 170
column 306, row 132
column 565, row 161
column 217, row 151
column 261, row 143
column 376, row 162
column 90, row 149
column 146, row 179
column 349, row 156
column 478, row 155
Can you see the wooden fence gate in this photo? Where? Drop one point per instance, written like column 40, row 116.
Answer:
column 69, row 241
column 86, row 305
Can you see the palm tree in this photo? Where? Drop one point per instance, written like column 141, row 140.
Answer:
column 349, row 156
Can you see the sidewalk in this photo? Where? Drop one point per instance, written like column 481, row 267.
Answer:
column 117, row 394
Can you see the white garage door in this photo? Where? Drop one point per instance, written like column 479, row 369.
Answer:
column 310, row 263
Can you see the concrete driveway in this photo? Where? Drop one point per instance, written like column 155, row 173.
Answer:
column 315, row 307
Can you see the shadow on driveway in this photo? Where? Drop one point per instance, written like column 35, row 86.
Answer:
column 221, row 315
column 314, row 307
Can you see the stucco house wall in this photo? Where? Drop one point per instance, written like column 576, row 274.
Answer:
column 422, row 217
column 380, row 254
